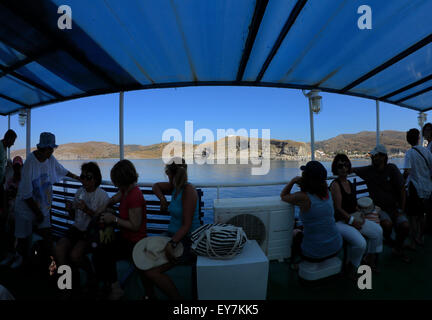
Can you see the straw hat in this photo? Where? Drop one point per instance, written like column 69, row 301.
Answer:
column 150, row 252
column 365, row 204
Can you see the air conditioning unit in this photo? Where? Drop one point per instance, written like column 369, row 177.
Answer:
column 268, row 220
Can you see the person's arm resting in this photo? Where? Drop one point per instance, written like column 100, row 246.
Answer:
column 134, row 222
column 337, row 202
column 189, row 206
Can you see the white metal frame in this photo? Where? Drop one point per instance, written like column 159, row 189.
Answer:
column 377, row 123
column 121, row 124
column 28, row 132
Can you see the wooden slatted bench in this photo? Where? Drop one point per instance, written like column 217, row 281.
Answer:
column 157, row 222
column 360, row 192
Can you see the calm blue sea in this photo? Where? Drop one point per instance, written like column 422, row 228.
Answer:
column 152, row 170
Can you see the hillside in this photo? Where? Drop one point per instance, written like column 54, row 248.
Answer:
column 357, row 145
column 363, row 142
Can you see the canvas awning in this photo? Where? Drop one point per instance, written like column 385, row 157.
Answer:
column 142, row 44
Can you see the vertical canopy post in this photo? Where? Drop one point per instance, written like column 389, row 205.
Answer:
column 314, row 107
column 28, row 131
column 121, row 124
column 312, row 132
column 377, row 123
column 422, row 117
column 8, row 151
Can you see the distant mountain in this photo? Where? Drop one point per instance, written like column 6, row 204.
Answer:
column 363, row 142
column 358, row 145
column 103, row 150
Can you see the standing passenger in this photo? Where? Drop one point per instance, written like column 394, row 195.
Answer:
column 33, row 203
column 7, row 142
column 418, row 165
column 11, row 189
column 427, row 134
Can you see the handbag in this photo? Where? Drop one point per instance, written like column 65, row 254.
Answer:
column 218, row 241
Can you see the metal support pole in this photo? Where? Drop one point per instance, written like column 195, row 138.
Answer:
column 422, row 117
column 121, row 124
column 377, row 123
column 311, row 120
column 8, row 152
column 28, row 130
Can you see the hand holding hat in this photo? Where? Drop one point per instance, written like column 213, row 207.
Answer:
column 151, row 252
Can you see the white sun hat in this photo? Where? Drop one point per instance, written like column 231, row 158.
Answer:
column 150, row 252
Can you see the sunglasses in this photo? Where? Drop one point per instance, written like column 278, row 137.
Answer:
column 342, row 165
column 86, row 177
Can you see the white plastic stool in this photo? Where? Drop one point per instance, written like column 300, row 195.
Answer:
column 318, row 270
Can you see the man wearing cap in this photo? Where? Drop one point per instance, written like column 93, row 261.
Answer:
column 33, row 203
column 387, row 189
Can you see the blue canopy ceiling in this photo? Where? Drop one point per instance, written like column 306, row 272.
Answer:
column 119, row 45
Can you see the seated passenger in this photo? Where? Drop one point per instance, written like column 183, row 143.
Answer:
column 71, row 249
column 387, row 189
column 321, row 239
column 353, row 230
column 131, row 222
column 184, row 212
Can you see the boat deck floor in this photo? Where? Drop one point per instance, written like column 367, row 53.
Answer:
column 397, row 280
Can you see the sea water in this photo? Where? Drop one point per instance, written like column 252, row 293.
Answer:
column 152, row 170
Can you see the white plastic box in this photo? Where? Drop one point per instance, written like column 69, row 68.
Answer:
column 242, row 278
column 276, row 215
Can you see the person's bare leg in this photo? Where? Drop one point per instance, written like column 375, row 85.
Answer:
column 162, row 281
column 61, row 251
column 387, row 227
column 412, row 232
column 148, row 287
column 421, row 228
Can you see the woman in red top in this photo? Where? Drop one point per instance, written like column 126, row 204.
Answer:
column 131, row 222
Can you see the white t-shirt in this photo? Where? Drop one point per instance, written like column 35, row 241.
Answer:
column 93, row 200
column 36, row 182
column 419, row 171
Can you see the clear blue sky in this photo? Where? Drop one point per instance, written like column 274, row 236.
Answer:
column 149, row 112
